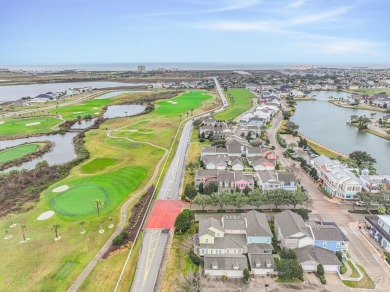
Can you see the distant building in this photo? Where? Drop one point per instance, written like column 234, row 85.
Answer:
column 141, row 69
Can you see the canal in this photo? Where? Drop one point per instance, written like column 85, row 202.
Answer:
column 327, row 124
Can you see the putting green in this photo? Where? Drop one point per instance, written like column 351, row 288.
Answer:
column 111, row 189
column 18, row 152
column 98, row 164
column 80, row 200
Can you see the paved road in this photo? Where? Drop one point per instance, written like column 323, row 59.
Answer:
column 171, row 184
column 145, row 276
column 152, row 250
column 331, row 210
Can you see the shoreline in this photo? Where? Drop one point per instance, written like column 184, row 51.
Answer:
column 367, row 108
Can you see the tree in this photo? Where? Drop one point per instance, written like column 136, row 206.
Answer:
column 297, row 198
column 247, row 190
column 190, row 282
column 381, row 209
column 192, row 109
column 366, row 197
column 277, row 197
column 55, row 228
column 362, row 122
column 23, row 227
column 246, row 275
column 42, row 164
column 313, row 173
column 98, row 205
column 201, row 188
column 257, row 199
column 289, row 269
column 183, row 220
column 240, row 200
column 190, row 191
column 202, row 200
column 191, row 166
column 212, row 187
column 180, row 117
column 118, row 240
column 287, row 253
column 304, row 213
column 361, row 158
column 82, row 223
column 320, row 270
column 290, row 126
column 221, row 199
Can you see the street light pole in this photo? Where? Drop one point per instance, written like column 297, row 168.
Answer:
column 266, row 287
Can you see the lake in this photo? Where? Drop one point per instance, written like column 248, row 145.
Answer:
column 324, row 94
column 14, row 92
column 126, row 110
column 327, row 124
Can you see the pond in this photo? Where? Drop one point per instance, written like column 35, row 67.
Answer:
column 117, row 93
column 126, row 110
column 83, row 124
column 63, row 150
column 327, row 124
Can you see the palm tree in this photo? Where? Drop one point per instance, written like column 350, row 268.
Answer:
column 10, row 219
column 187, row 113
column 82, row 227
column 110, row 220
column 23, row 227
column 180, row 118
column 192, row 109
column 98, row 204
column 55, row 228
column 126, row 113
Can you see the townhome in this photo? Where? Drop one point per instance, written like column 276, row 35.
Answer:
column 291, row 231
column 375, row 183
column 232, row 181
column 253, row 151
column 328, row 235
column 218, row 161
column 212, row 150
column 380, row 229
column 267, row 180
column 287, row 181
column 225, row 243
column 260, row 163
column 216, row 131
column 336, row 179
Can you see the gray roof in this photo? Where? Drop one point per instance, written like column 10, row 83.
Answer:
column 257, row 224
column 267, row 175
column 291, row 223
column 206, row 172
column 258, row 248
column 236, row 149
column 237, row 160
column 322, row 160
column 225, row 262
column 233, row 142
column 327, row 232
column 316, row 254
column 285, row 177
column 211, row 149
column 216, row 159
column 262, row 260
column 204, row 225
column 254, row 150
column 227, row 241
column 234, row 222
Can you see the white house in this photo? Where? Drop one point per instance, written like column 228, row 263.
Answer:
column 375, row 183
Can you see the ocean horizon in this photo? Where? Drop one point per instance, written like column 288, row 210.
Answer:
column 131, row 66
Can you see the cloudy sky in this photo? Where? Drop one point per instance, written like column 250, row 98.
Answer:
column 301, row 31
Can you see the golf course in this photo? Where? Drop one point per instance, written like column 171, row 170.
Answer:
column 27, row 126
column 18, row 151
column 91, row 107
column 118, row 168
column 240, row 100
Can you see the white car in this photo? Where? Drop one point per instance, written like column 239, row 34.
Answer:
column 360, row 203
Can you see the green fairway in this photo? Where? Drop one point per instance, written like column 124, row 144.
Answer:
column 27, row 126
column 240, row 102
column 98, row 164
column 90, row 107
column 18, row 152
column 182, row 104
column 110, row 188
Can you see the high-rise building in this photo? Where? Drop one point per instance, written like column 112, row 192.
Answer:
column 141, row 69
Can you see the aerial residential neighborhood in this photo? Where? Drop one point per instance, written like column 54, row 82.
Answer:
column 195, row 146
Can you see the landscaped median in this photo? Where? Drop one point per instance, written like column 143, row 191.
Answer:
column 358, row 277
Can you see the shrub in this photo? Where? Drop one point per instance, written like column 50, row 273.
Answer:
column 322, row 279
column 194, row 258
column 320, row 270
column 339, row 256
column 224, row 278
column 246, row 275
column 125, row 234
column 119, row 240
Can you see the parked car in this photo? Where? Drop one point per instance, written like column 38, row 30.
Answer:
column 303, row 189
column 360, row 203
column 374, row 204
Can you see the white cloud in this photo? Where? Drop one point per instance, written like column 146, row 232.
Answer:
column 310, row 18
column 342, row 46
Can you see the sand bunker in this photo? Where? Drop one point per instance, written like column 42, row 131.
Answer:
column 33, row 124
column 96, row 113
column 2, row 122
column 173, row 102
column 133, row 130
column 46, row 215
column 95, row 108
column 60, row 189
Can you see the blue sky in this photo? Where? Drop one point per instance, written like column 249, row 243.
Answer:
column 271, row 31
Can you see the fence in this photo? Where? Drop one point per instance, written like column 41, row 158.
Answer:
column 323, row 146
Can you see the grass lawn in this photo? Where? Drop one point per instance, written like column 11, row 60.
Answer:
column 27, row 126
column 98, row 164
column 179, row 261
column 242, row 103
column 372, row 91
column 355, row 273
column 18, row 151
column 365, row 283
column 90, row 107
column 322, row 151
column 293, row 281
column 182, row 104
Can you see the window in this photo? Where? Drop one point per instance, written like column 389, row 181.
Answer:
column 338, row 245
column 324, row 244
column 250, row 239
column 217, row 234
column 207, row 240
